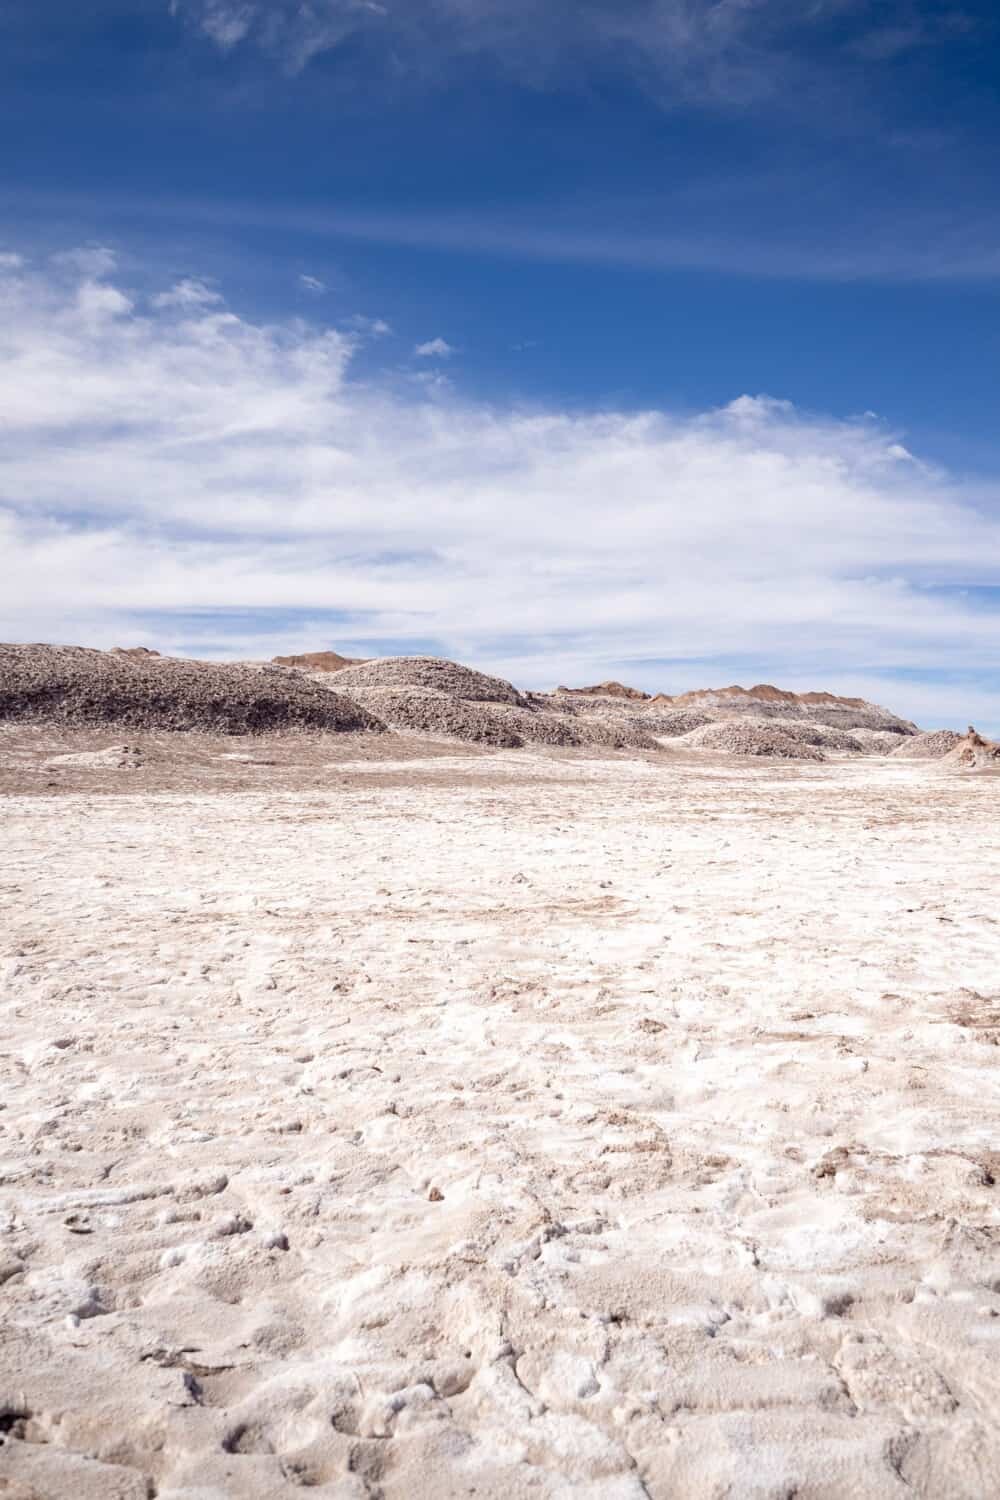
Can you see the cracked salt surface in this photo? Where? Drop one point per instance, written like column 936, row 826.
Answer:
column 502, row 1125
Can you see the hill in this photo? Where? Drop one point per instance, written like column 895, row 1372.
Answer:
column 75, row 685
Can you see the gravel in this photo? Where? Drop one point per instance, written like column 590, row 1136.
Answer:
column 930, row 746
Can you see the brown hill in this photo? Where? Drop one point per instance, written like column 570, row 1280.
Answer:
column 764, row 692
column 767, row 701
column 606, row 690
column 318, row 661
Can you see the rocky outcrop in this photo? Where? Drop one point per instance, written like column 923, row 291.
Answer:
column 318, row 661
column 607, row 690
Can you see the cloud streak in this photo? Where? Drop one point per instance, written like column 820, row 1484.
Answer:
column 729, row 54
column 912, row 245
column 166, row 455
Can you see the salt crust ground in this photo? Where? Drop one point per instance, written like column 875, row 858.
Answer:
column 515, row 1125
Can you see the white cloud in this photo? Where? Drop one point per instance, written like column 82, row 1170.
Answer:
column 288, row 29
column 96, row 302
column 376, row 328
column 87, row 260
column 312, row 284
column 186, row 294
column 207, row 465
column 225, row 23
column 434, row 349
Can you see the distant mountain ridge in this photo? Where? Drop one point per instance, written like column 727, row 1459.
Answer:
column 607, row 690
column 318, row 661
column 763, row 692
column 677, row 713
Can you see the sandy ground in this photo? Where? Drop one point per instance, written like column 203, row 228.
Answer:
column 504, row 1126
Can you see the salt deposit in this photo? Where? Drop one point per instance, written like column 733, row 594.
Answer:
column 526, row 1125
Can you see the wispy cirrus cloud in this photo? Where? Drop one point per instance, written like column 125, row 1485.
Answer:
column 190, row 292
column 727, row 53
column 899, row 242
column 183, row 461
column 924, row 249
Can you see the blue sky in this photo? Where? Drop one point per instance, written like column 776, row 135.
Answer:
column 428, row 325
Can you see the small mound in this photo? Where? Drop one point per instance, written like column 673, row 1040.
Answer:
column 974, row 753
column 738, row 737
column 824, row 736
column 429, row 711
column 930, row 746
column 614, row 734
column 115, row 758
column 606, row 690
column 803, row 732
column 877, row 741
column 844, row 741
column 422, row 710
column 428, row 672
column 672, row 723
column 75, row 685
column 318, row 661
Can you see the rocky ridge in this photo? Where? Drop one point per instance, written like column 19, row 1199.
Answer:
column 318, row 661
column 431, row 697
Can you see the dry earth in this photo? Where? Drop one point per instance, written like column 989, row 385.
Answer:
column 404, row 1124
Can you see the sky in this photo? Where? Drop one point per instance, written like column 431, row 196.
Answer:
column 648, row 339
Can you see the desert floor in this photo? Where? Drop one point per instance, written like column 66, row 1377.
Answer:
column 518, row 1125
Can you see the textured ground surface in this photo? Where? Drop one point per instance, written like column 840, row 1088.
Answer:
column 509, row 1125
